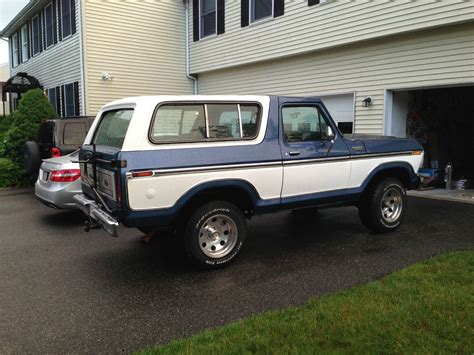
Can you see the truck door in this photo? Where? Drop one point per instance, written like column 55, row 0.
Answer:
column 315, row 158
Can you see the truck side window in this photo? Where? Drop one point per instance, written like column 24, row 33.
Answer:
column 174, row 123
column 223, row 121
column 303, row 124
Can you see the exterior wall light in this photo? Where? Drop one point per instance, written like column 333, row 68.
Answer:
column 106, row 76
column 368, row 101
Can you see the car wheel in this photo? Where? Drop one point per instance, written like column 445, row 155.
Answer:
column 31, row 157
column 383, row 208
column 215, row 234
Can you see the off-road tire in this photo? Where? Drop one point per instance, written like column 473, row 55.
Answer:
column 371, row 207
column 197, row 222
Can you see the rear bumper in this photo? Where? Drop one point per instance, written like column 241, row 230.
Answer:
column 92, row 210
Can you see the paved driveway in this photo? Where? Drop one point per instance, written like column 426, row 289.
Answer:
column 65, row 290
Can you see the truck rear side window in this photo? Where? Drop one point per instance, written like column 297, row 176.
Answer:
column 175, row 123
column 112, row 128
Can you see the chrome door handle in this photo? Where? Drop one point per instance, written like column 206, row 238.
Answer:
column 294, row 153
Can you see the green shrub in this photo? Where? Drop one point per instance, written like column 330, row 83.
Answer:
column 25, row 121
column 12, row 174
column 5, row 123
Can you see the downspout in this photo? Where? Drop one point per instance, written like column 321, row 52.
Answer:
column 188, row 74
column 81, row 50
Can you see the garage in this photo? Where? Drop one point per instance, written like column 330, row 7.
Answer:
column 442, row 120
column 341, row 108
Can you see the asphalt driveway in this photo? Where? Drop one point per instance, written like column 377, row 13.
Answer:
column 62, row 289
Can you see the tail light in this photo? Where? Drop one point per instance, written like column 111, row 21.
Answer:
column 68, row 175
column 55, row 152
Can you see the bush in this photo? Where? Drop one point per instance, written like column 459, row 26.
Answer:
column 25, row 121
column 12, row 174
column 5, row 123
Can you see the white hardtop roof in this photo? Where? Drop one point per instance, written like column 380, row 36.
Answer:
column 154, row 100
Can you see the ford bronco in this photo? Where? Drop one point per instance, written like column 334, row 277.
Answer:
column 202, row 165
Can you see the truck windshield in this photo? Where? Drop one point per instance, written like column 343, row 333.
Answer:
column 112, row 128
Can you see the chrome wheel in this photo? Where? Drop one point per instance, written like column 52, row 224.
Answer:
column 218, row 236
column 392, row 205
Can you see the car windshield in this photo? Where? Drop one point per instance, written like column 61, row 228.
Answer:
column 112, row 128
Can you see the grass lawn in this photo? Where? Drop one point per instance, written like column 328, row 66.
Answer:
column 425, row 308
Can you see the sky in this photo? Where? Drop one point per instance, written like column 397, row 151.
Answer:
column 8, row 10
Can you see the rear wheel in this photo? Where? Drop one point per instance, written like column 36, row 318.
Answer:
column 31, row 157
column 215, row 234
column 384, row 206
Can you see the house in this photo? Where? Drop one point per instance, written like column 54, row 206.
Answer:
column 381, row 67
column 86, row 53
column 4, row 75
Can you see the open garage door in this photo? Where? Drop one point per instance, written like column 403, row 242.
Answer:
column 442, row 120
column 341, row 108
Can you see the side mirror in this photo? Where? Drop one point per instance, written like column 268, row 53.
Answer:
column 330, row 134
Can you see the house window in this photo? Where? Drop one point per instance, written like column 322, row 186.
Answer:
column 24, row 43
column 260, row 9
column 207, row 15
column 36, row 32
column 69, row 104
column 66, row 18
column 15, row 50
column 53, row 99
column 49, row 25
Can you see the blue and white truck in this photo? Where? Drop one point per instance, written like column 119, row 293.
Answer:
column 202, row 165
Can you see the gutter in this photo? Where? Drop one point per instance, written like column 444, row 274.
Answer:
column 81, row 50
column 188, row 73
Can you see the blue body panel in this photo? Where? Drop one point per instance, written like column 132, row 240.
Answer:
column 273, row 149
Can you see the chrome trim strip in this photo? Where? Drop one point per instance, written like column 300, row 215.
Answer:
column 276, row 163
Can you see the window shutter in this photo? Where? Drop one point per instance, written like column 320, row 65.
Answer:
column 313, row 2
column 11, row 51
column 76, row 98
column 62, row 106
column 18, row 43
column 279, row 8
column 30, row 36
column 244, row 13
column 220, row 16
column 58, row 100
column 41, row 34
column 60, row 20
column 55, row 24
column 73, row 16
column 195, row 20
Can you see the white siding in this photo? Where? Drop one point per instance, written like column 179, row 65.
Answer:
column 442, row 56
column 304, row 28
column 140, row 43
column 57, row 65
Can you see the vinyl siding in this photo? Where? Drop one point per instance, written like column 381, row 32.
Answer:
column 442, row 56
column 304, row 28
column 57, row 65
column 141, row 44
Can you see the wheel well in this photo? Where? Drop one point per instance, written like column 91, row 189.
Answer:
column 399, row 173
column 238, row 196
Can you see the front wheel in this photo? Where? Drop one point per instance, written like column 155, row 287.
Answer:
column 383, row 208
column 215, row 234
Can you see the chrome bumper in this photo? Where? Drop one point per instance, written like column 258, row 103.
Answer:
column 92, row 210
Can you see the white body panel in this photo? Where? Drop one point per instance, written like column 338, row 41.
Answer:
column 361, row 168
column 312, row 178
column 164, row 191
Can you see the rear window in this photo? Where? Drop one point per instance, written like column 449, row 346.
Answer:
column 74, row 133
column 112, row 128
column 174, row 123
